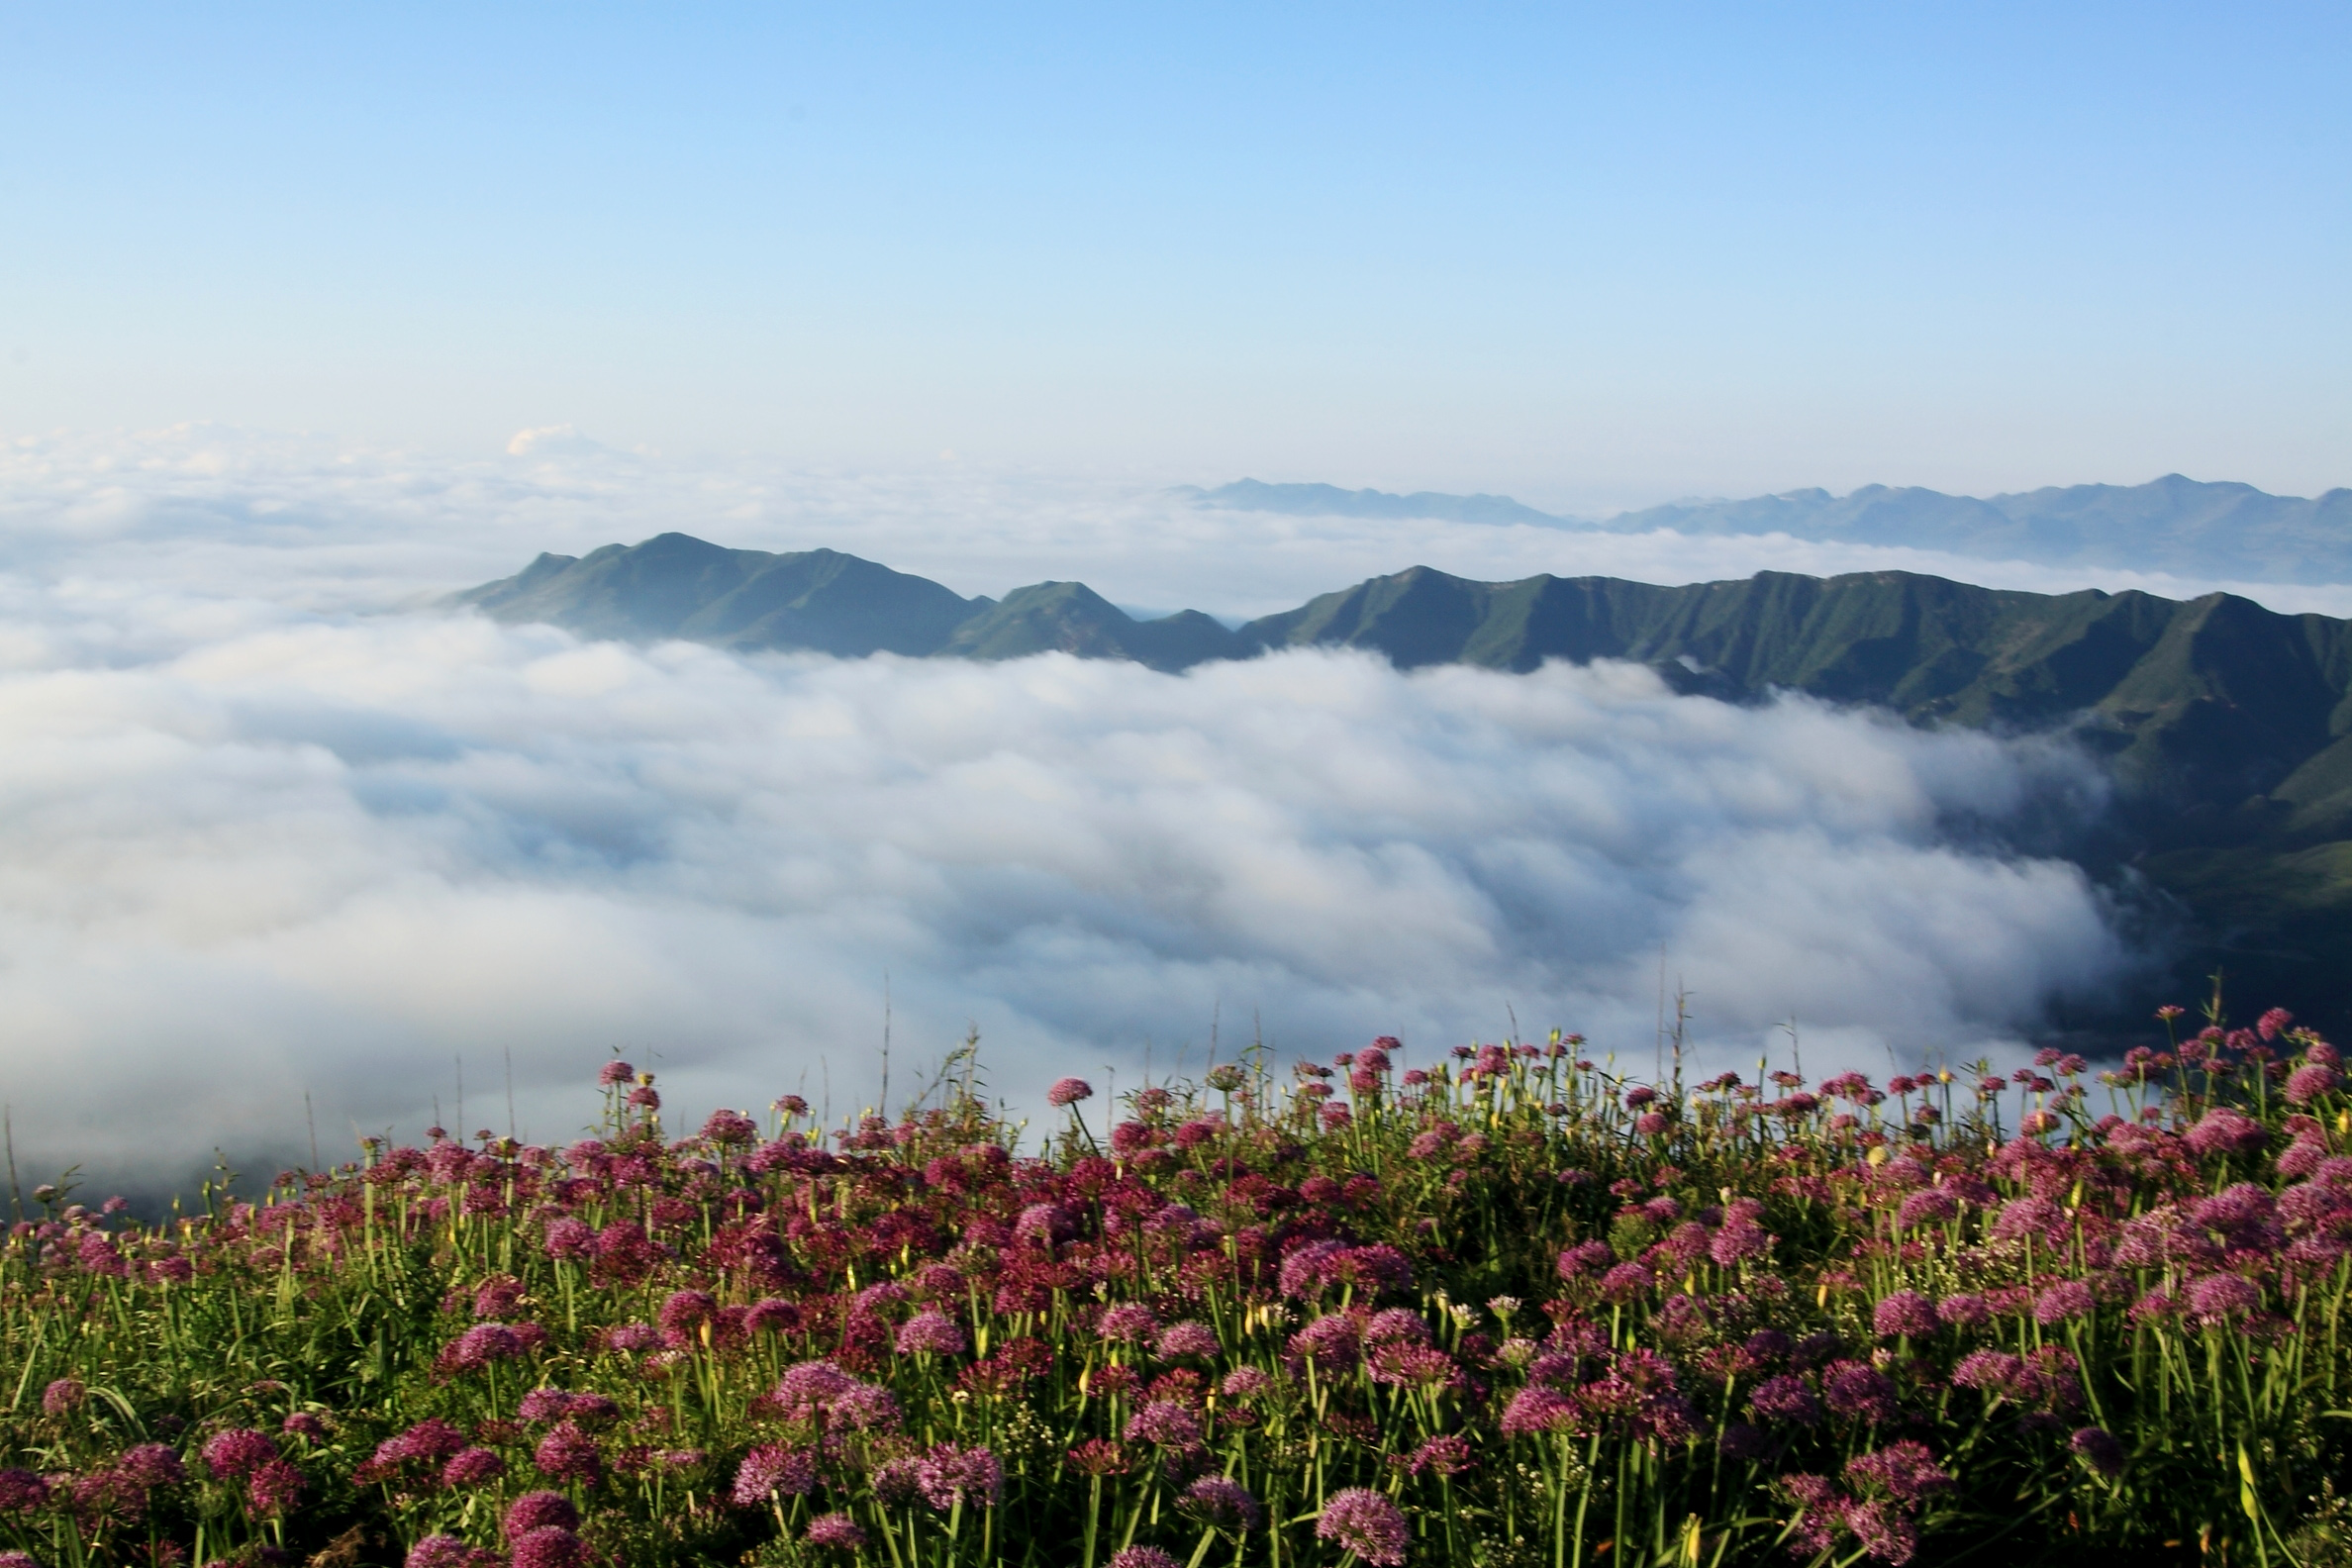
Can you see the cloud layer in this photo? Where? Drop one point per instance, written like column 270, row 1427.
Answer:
column 263, row 833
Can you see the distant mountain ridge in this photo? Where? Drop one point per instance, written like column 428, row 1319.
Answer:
column 2174, row 525
column 2227, row 727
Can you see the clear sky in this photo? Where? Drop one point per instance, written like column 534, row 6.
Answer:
column 1593, row 256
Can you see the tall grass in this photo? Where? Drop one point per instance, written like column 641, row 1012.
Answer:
column 1505, row 1308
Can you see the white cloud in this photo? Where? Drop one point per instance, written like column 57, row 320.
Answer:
column 261, row 830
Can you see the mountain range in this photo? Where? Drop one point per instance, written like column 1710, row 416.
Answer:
column 2175, row 525
column 2227, row 727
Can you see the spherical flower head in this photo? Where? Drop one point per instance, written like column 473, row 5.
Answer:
column 2098, row 1449
column 772, row 1470
column 2309, row 1082
column 236, row 1453
column 1625, row 1281
column 20, row 1491
column 152, row 1464
column 1905, row 1470
column 930, row 1333
column 2062, row 1301
column 836, row 1532
column 1245, row 1382
column 645, row 1097
column 686, row 1310
column 1903, row 1313
column 2225, row 1130
column 303, row 1423
column 948, row 1476
column 1536, row 1408
column 550, row 1547
column 63, row 1394
column 1128, row 1323
column 1068, row 1091
column 441, row 1551
column 729, row 1129
column 568, row 1238
column 1142, row 1557
column 544, row 1405
column 1187, row 1340
column 2219, row 1296
column 1222, row 1503
column 471, row 1467
column 1163, row 1423
column 481, row 1345
column 616, row 1074
column 567, row 1453
column 1785, row 1398
column 539, row 1511
column 1361, row 1521
column 1861, row 1392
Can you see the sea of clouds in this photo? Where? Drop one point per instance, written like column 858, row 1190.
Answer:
column 285, row 852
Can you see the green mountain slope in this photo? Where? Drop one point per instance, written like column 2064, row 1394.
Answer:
column 2227, row 727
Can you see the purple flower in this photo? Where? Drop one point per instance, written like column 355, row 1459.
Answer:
column 2309, row 1083
column 1927, row 1205
column 441, row 1551
column 544, row 1404
column 2219, row 1296
column 1183, row 1340
column 1363, row 1521
column 1886, row 1532
column 566, row 1238
column 20, row 1491
column 835, row 1532
column 1903, row 1313
column 150, row 1465
column 1851, row 1387
column 1068, row 1091
column 1963, row 1310
column 933, row 1333
column 1737, row 1241
column 2066, row 1300
column 273, row 1489
column 63, row 1394
column 470, row 1467
column 2098, row 1449
column 431, row 1440
column 1163, row 1423
column 948, row 1476
column 772, row 1470
column 1536, row 1408
column 567, row 1453
column 684, row 1311
column 550, row 1547
column 302, row 1424
column 730, row 1127
column 615, row 1073
column 1128, row 1323
column 1243, row 1382
column 481, row 1345
column 1301, row 1276
column 236, row 1453
column 1222, row 1503
column 1787, row 1398
column 1906, row 1470
column 1142, row 1557
column 2223, row 1130
column 1625, row 1281
column 539, row 1511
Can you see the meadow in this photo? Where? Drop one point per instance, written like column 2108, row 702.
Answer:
column 1509, row 1307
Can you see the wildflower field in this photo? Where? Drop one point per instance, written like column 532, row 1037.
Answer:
column 1503, row 1307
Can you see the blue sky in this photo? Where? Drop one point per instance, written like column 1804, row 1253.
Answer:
column 1594, row 257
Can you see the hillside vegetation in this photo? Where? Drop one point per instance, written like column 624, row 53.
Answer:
column 1505, row 1308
